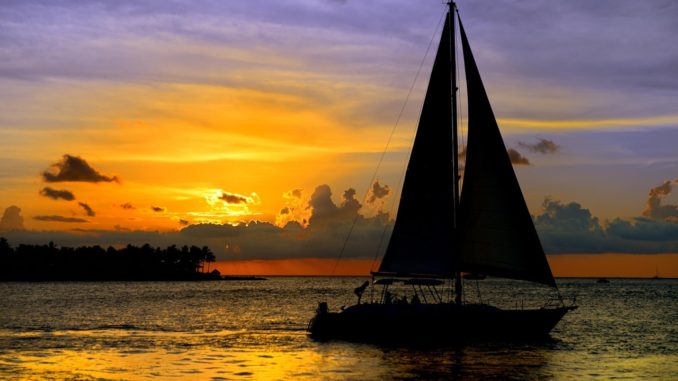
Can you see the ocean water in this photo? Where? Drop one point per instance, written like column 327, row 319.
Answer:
column 237, row 330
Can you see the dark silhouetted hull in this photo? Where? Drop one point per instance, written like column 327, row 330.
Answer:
column 434, row 323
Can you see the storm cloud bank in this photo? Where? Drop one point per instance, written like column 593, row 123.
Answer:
column 571, row 228
column 323, row 237
column 563, row 227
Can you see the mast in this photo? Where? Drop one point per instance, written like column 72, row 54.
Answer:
column 455, row 143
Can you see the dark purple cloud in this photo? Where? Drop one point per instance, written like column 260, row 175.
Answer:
column 12, row 219
column 543, row 146
column 517, row 158
column 231, row 198
column 571, row 228
column 325, row 211
column 656, row 209
column 56, row 194
column 88, row 209
column 75, row 168
column 55, row 218
column 378, row 192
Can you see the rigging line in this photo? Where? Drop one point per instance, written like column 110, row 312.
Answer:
column 388, row 141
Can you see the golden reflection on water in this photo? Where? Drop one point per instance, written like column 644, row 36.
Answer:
column 329, row 361
column 272, row 362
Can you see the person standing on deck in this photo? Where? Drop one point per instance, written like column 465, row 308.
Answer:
column 360, row 290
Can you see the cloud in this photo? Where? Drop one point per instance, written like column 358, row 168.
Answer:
column 295, row 208
column 517, row 158
column 74, row 168
column 377, row 192
column 321, row 236
column 349, row 201
column 654, row 208
column 55, row 194
column 233, row 205
column 325, row 211
column 232, row 198
column 294, row 193
column 324, row 236
column 570, row 228
column 55, row 218
column 639, row 229
column 321, row 201
column 570, row 217
column 157, row 209
column 389, row 42
column 544, row 146
column 236, row 201
column 12, row 219
column 127, row 206
column 87, row 209
column 563, row 227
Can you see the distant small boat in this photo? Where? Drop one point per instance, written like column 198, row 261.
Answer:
column 442, row 231
column 602, row 280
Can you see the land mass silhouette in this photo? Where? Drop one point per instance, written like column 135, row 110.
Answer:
column 94, row 263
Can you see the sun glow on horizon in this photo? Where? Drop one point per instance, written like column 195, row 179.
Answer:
column 562, row 265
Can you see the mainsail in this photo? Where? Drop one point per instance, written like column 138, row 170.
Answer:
column 422, row 239
column 495, row 234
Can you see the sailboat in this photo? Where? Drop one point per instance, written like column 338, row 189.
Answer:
column 484, row 228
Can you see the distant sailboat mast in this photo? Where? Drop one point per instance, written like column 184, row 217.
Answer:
column 455, row 142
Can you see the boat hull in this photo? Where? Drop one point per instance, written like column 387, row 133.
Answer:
column 434, row 322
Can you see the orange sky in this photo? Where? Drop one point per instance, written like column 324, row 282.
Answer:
column 564, row 265
column 185, row 104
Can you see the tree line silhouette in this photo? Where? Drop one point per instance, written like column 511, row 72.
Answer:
column 94, row 263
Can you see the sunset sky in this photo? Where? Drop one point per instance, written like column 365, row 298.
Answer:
column 187, row 121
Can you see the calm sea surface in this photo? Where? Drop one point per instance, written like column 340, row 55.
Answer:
column 627, row 329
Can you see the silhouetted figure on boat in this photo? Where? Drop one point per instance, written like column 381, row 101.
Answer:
column 360, row 290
